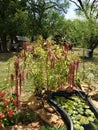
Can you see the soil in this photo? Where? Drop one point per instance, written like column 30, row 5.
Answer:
column 91, row 92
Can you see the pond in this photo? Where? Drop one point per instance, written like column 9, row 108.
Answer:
column 79, row 110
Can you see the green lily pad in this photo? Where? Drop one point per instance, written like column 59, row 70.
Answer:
column 84, row 120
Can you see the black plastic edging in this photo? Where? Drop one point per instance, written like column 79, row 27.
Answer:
column 65, row 116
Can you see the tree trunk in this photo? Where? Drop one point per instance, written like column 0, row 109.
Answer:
column 92, row 46
column 90, row 53
column 4, row 43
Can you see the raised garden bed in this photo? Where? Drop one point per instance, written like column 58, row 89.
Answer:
column 76, row 109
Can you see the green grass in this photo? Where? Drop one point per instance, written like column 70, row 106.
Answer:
column 88, row 65
column 5, row 66
column 94, row 60
column 3, row 70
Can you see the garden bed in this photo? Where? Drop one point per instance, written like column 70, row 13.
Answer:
column 30, row 73
column 33, row 116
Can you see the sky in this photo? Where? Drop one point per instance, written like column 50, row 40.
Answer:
column 71, row 13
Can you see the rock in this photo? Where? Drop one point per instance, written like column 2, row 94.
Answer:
column 51, row 119
column 95, row 103
column 48, row 108
column 35, row 104
column 45, row 112
column 35, row 124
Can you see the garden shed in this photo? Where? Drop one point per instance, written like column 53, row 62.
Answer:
column 18, row 42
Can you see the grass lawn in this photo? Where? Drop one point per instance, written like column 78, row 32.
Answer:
column 89, row 66
column 94, row 60
column 3, row 70
column 5, row 59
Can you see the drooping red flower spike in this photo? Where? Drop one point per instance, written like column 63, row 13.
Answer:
column 27, row 46
column 22, row 76
column 57, row 57
column 77, row 65
column 16, row 66
column 52, row 59
column 12, row 77
column 32, row 49
column 21, row 79
column 71, row 75
column 1, row 124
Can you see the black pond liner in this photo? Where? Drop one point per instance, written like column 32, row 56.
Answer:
column 65, row 116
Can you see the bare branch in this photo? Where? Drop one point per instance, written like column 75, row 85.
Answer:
column 75, row 3
column 97, row 16
column 58, row 7
column 81, row 4
column 92, row 5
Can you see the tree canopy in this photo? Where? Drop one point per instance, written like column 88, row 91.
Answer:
column 47, row 17
column 89, row 9
column 27, row 17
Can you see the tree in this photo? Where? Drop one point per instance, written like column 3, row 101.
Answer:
column 12, row 21
column 7, row 10
column 18, row 25
column 29, row 17
column 55, row 24
column 39, row 13
column 89, row 9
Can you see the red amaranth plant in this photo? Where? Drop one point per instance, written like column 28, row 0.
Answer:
column 71, row 74
column 52, row 59
column 16, row 67
column 21, row 79
column 1, row 124
column 56, row 65
column 47, row 66
column 77, row 66
column 27, row 46
column 73, row 68
column 20, row 65
column 67, row 46
column 12, row 77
